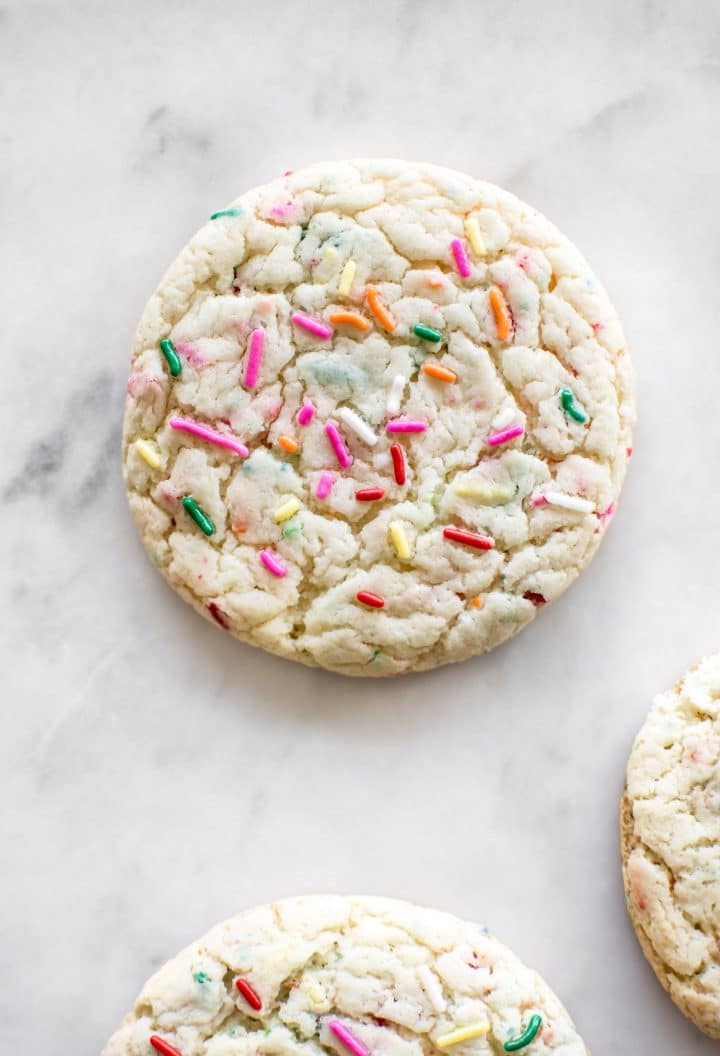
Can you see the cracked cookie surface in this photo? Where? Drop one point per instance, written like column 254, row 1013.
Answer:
column 378, row 414
column 670, row 821
column 399, row 980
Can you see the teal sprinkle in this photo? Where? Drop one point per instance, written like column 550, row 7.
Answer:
column 376, row 654
column 201, row 977
column 427, row 333
column 567, row 399
column 291, row 529
column 225, row 212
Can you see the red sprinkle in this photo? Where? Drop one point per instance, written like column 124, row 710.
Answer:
column 459, row 535
column 249, row 994
column 398, row 460
column 218, row 615
column 368, row 598
column 536, row 599
column 369, row 494
column 164, row 1046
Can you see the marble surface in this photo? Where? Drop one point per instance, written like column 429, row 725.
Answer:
column 156, row 775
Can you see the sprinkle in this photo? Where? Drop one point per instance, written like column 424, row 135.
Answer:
column 535, row 598
column 356, row 423
column 524, row 1039
column 406, row 425
column 313, row 326
column 399, row 539
column 198, row 515
column 201, row 977
column 398, row 460
column 324, row 485
column 330, row 253
column 306, row 413
column 164, row 1046
column 504, row 435
column 459, row 535
column 504, row 417
column 567, row 502
column 248, row 993
column 379, row 310
column 252, row 367
column 289, row 444
column 434, row 370
column 186, row 425
column 149, row 453
column 395, row 395
column 349, row 319
column 434, row 280
column 291, row 530
column 472, row 230
column 173, row 359
column 286, row 511
column 338, row 444
column 369, row 494
column 477, row 603
column 432, row 988
column 567, row 399
column 225, row 212
column 346, row 278
column 368, row 598
column 427, row 333
column 461, row 259
column 474, row 1030
column 483, row 492
column 500, row 311
column 272, row 564
column 221, row 619
column 347, row 1038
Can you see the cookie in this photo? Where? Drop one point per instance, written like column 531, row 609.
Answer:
column 358, row 976
column 379, row 414
column 670, row 821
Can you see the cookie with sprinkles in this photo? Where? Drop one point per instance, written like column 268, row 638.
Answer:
column 670, row 821
column 379, row 414
column 361, row 976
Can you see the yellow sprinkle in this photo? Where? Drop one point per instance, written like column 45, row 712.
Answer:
column 472, row 230
column 346, row 278
column 399, row 540
column 149, row 452
column 314, row 992
column 474, row 1030
column 330, row 252
column 474, row 489
column 286, row 511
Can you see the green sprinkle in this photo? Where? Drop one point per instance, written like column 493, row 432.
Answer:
column 292, row 528
column 201, row 977
column 303, row 231
column 226, row 212
column 173, row 359
column 527, row 1036
column 199, row 516
column 567, row 399
column 427, row 333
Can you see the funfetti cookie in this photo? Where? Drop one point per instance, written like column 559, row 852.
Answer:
column 671, row 842
column 345, row 976
column 379, row 415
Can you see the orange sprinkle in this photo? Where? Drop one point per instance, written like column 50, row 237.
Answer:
column 379, row 310
column 350, row 319
column 287, row 443
column 434, row 281
column 477, row 602
column 500, row 311
column 434, row 370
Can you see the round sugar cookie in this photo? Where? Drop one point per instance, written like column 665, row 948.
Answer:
column 670, row 820
column 379, row 413
column 345, row 976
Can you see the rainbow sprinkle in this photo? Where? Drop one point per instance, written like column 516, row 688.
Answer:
column 368, row 598
column 324, row 485
column 483, row 492
column 186, row 425
column 172, row 358
column 395, row 395
column 379, row 310
column 504, row 435
column 225, row 212
column 289, row 444
column 479, row 542
column 473, row 1030
column 252, row 998
column 164, row 1047
column 427, row 333
column 432, row 987
column 347, row 277
column 399, row 540
column 440, row 373
column 306, row 413
column 272, row 564
column 313, row 326
column 527, row 1036
column 472, row 230
column 398, row 460
column 406, row 425
column 149, row 453
column 369, row 494
column 255, row 351
column 338, row 444
column 198, row 515
column 286, row 511
column 567, row 399
column 461, row 257
column 356, row 423
column 348, row 1039
column 566, row 502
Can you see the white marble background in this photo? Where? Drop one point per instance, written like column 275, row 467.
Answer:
column 157, row 776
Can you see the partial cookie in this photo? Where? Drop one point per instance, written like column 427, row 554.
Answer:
column 670, row 821
column 379, row 414
column 359, row 976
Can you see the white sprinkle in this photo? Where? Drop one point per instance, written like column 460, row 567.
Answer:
column 355, row 422
column 568, row 502
column 507, row 416
column 395, row 395
column 432, row 988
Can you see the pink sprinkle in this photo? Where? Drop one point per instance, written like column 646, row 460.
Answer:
column 505, row 434
column 606, row 514
column 347, row 1038
column 252, row 367
column 186, row 425
column 338, row 444
column 538, row 500
column 272, row 564
column 324, row 485
column 461, row 257
column 313, row 326
column 306, row 414
column 185, row 348
column 406, row 425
